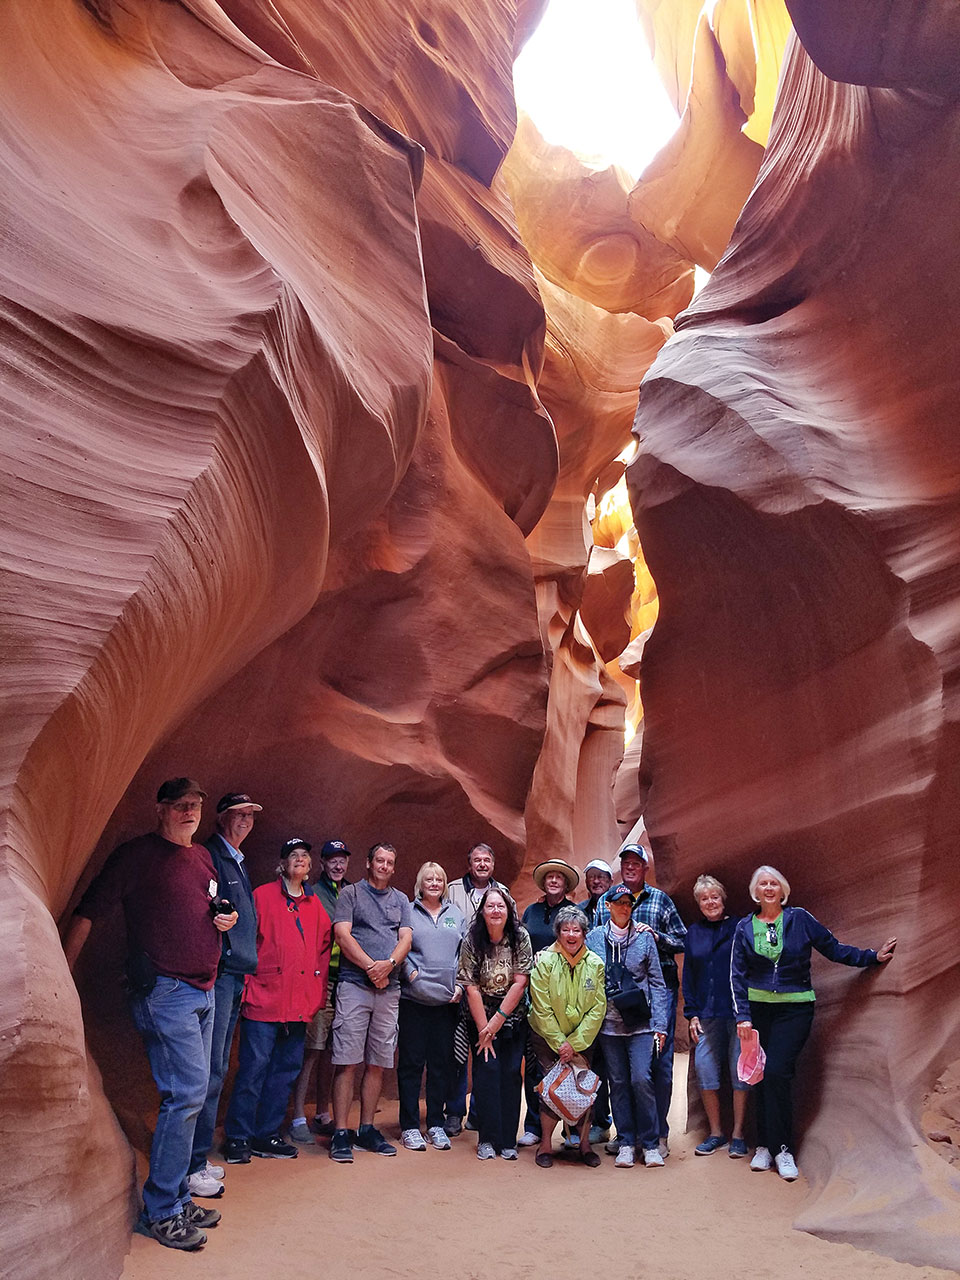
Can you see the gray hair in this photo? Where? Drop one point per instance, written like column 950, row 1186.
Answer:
column 777, row 875
column 570, row 915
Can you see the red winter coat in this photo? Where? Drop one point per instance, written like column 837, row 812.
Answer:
column 290, row 983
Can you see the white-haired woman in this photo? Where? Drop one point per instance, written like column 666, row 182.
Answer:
column 770, row 978
column 708, row 1006
column 429, row 1007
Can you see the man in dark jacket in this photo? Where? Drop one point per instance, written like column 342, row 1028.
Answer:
column 235, row 819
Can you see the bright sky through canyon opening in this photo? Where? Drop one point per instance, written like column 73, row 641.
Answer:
column 586, row 78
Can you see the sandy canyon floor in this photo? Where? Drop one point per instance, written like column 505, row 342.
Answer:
column 448, row 1215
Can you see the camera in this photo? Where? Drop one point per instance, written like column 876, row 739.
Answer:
column 222, row 907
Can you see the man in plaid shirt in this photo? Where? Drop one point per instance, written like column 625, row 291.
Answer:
column 654, row 910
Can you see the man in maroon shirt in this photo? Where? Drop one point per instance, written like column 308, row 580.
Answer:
column 172, row 908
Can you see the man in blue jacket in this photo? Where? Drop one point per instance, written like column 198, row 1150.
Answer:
column 235, row 818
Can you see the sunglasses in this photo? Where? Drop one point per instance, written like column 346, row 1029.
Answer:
column 772, row 937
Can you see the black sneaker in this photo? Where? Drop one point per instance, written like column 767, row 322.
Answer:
column 175, row 1232
column 236, row 1151
column 371, row 1139
column 273, row 1148
column 452, row 1126
column 341, row 1147
column 199, row 1216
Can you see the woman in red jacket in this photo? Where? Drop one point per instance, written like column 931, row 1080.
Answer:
column 279, row 1000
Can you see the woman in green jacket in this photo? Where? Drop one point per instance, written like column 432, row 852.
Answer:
column 568, row 1003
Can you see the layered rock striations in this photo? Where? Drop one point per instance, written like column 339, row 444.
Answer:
column 796, row 497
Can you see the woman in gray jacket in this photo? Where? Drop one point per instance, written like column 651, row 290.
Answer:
column 429, row 1008
column 630, row 1037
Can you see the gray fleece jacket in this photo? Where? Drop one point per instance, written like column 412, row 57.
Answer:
column 433, row 955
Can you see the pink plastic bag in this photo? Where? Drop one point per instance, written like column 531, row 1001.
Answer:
column 752, row 1059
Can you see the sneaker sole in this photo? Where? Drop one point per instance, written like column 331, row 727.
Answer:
column 244, row 1159
column 208, row 1195
column 342, row 1157
column 273, row 1155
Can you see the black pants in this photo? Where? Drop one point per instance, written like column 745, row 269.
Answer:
column 425, row 1040
column 783, row 1031
column 497, row 1087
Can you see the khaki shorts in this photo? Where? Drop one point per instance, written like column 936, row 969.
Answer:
column 365, row 1026
column 318, row 1032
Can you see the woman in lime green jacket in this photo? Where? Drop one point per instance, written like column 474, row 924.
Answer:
column 568, row 1004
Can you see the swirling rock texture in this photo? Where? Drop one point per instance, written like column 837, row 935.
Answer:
column 798, row 445
column 271, row 444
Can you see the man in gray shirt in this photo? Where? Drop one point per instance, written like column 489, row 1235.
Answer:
column 373, row 929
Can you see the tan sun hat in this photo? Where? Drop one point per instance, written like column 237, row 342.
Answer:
column 570, row 874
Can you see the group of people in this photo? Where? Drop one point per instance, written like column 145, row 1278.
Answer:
column 340, row 978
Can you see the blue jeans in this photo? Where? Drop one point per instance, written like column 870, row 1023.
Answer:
column 176, row 1023
column 271, row 1055
column 227, row 994
column 628, row 1060
column 718, row 1043
column 663, row 1066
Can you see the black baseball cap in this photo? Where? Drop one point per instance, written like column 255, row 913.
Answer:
column 177, row 788
column 288, row 846
column 335, row 849
column 237, row 800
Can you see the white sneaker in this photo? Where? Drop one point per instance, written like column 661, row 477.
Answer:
column 761, row 1161
column 624, row 1158
column 528, row 1139
column 439, row 1138
column 214, row 1171
column 412, row 1139
column 786, row 1165
column 663, row 1146
column 612, row 1147
column 198, row 1184
column 485, row 1151
column 652, row 1158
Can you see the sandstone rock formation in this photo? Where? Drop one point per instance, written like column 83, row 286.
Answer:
column 797, row 445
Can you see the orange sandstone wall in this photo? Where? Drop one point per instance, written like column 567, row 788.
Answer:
column 796, row 497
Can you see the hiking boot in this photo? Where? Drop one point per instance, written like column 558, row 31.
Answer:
column 762, row 1160
column 709, row 1145
column 438, row 1138
column 199, row 1216
column 738, row 1149
column 341, row 1146
column 786, row 1165
column 198, row 1184
column 175, row 1232
column 300, row 1131
column 624, row 1158
column 273, row 1148
column 413, row 1140
column 369, row 1138
column 236, row 1151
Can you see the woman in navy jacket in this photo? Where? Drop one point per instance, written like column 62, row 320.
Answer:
column 770, row 980
column 708, row 1006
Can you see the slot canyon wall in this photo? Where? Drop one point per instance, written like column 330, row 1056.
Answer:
column 798, row 443
column 316, row 366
